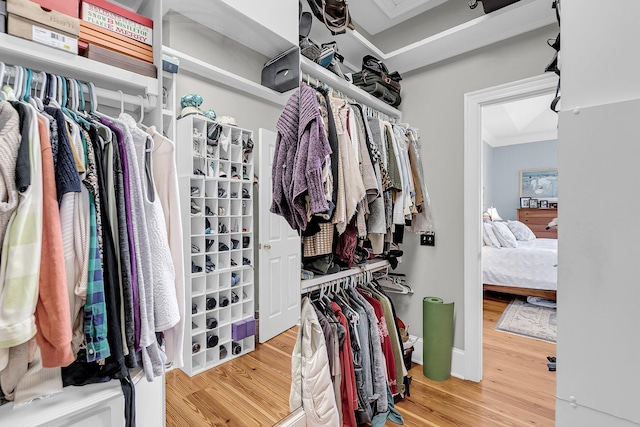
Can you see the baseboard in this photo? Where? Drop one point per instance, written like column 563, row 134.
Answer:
column 457, row 358
column 296, row 419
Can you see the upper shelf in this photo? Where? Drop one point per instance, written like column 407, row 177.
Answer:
column 260, row 25
column 226, row 78
column 14, row 50
column 513, row 20
column 351, row 90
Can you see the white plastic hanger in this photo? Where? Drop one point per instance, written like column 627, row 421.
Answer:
column 121, row 101
column 140, row 124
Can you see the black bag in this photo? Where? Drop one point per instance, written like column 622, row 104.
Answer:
column 491, row 5
column 282, row 73
column 376, row 80
column 376, row 67
column 334, row 13
column 382, row 93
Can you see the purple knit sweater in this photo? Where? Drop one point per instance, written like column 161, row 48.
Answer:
column 301, row 148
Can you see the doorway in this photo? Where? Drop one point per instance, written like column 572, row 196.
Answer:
column 474, row 103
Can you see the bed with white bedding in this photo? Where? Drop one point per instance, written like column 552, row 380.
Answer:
column 530, row 269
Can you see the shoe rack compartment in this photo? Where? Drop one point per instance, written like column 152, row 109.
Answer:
column 216, row 196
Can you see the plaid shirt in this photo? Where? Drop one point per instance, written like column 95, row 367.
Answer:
column 95, row 309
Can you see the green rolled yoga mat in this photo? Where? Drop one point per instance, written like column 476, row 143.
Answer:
column 437, row 330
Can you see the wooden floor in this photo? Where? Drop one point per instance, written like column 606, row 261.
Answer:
column 517, row 389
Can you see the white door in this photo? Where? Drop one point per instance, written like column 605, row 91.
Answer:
column 278, row 253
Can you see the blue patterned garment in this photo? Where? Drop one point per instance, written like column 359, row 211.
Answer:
column 95, row 309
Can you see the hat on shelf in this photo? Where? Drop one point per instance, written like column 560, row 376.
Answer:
column 190, row 105
column 227, row 120
column 210, row 114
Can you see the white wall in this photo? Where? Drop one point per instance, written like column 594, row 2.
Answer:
column 598, row 292
column 214, row 48
column 270, row 15
column 433, row 102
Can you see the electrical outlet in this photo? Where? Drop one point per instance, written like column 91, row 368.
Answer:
column 428, row 239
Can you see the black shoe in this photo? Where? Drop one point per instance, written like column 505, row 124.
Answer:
column 211, row 303
column 212, row 323
column 195, row 268
column 212, row 341
column 235, row 348
column 210, row 265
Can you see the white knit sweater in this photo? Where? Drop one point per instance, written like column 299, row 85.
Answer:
column 165, row 304
column 9, row 144
column 20, row 263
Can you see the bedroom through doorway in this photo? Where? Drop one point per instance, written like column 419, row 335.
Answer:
column 517, row 198
column 510, row 133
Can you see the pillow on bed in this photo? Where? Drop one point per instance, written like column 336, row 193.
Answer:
column 521, row 231
column 504, row 235
column 489, row 236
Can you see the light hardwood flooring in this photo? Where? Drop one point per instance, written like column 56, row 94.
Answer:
column 517, row 388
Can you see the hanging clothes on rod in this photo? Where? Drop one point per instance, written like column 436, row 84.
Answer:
column 81, row 225
column 362, row 348
column 364, row 189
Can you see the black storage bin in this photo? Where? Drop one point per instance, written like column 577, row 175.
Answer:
column 282, row 73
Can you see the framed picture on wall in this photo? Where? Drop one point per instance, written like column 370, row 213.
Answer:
column 539, row 183
column 524, row 202
column 544, row 204
column 553, row 205
column 533, row 203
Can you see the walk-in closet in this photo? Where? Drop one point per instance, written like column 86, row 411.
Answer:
column 318, row 213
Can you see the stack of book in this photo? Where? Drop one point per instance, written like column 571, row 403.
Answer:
column 117, row 36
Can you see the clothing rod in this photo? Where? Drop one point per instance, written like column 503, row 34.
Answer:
column 317, row 283
column 113, row 98
column 312, row 81
column 131, row 102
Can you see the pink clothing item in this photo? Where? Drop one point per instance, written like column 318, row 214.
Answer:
column 53, row 312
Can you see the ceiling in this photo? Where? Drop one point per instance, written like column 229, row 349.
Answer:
column 520, row 122
column 387, row 13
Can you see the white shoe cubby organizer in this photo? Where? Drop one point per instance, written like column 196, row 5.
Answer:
column 216, row 200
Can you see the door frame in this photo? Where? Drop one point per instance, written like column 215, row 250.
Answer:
column 473, row 103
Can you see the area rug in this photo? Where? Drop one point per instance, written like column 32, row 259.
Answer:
column 529, row 320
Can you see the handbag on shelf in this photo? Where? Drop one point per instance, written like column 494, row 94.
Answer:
column 382, row 93
column 334, row 13
column 376, row 80
column 308, row 48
